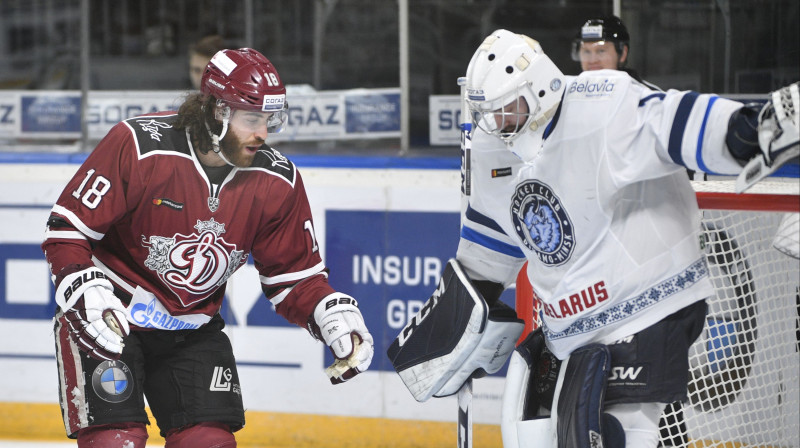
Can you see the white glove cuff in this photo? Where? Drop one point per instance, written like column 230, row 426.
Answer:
column 74, row 285
column 330, row 328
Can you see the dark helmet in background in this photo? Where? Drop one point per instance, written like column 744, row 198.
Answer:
column 608, row 29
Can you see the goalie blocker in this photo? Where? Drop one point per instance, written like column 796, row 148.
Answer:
column 454, row 337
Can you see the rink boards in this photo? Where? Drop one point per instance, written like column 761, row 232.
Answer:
column 386, row 227
column 385, row 234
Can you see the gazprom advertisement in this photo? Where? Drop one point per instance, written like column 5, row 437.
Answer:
column 312, row 115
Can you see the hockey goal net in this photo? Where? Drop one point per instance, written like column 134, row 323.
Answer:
column 744, row 388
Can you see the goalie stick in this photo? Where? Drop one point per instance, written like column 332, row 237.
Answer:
column 464, row 437
column 465, row 415
column 507, row 326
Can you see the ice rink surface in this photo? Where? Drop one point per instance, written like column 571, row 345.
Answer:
column 66, row 443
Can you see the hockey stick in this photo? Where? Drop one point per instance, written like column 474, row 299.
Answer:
column 464, row 438
column 465, row 415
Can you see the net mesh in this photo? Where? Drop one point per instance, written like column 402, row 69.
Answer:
column 744, row 389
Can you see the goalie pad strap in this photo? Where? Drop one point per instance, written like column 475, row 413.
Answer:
column 439, row 340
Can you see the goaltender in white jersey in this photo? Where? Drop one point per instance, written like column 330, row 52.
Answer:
column 584, row 178
column 602, row 208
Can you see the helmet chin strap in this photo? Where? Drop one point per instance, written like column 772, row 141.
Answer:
column 224, row 115
column 544, row 118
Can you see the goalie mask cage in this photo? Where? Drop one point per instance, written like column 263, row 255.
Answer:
column 744, row 387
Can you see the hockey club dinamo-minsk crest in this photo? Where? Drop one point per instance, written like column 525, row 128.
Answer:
column 541, row 222
column 195, row 264
column 112, row 381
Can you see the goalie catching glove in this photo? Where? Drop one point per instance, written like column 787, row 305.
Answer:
column 94, row 315
column 338, row 322
column 778, row 136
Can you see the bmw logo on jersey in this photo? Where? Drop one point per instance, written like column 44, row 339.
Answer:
column 542, row 223
column 112, row 381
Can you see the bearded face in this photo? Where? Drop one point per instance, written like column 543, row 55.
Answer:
column 240, row 154
column 246, row 133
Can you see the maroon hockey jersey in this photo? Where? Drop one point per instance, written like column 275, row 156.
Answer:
column 142, row 209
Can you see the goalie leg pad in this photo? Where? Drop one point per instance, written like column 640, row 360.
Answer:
column 530, row 385
column 434, row 348
column 580, row 421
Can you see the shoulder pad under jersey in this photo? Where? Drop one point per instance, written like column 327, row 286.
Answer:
column 157, row 134
column 275, row 163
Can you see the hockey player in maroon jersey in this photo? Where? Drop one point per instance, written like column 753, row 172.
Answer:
column 142, row 241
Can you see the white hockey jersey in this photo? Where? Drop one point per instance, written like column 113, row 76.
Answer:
column 604, row 213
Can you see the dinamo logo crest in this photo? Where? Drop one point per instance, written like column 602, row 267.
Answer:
column 196, row 264
column 541, row 223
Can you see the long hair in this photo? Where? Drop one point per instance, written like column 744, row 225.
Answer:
column 195, row 111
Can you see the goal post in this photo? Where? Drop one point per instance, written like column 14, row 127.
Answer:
column 744, row 388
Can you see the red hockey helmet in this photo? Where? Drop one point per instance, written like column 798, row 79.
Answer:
column 244, row 79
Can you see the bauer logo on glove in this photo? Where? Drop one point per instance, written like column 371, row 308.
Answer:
column 339, row 323
column 95, row 317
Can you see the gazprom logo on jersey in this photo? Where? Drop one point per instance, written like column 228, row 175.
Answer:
column 591, row 87
column 541, row 222
column 273, row 103
column 147, row 312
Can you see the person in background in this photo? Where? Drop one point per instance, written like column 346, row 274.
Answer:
column 604, row 43
column 200, row 53
column 141, row 244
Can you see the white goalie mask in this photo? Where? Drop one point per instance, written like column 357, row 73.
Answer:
column 512, row 91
